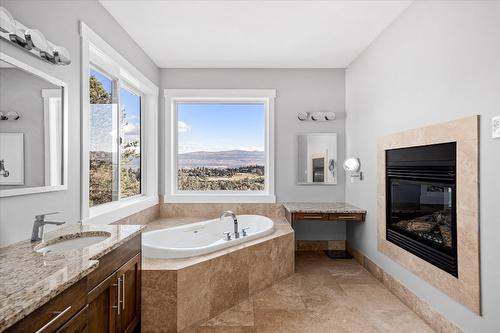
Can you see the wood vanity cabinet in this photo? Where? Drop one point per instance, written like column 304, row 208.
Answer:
column 294, row 217
column 115, row 302
column 54, row 315
column 107, row 300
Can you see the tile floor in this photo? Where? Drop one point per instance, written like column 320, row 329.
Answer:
column 323, row 295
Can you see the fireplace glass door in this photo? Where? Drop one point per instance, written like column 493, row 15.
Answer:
column 423, row 211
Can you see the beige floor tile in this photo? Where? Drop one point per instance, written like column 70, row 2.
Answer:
column 323, row 296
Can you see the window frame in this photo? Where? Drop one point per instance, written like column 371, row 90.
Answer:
column 175, row 96
column 100, row 55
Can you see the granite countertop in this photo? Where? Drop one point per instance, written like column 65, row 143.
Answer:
column 322, row 207
column 29, row 279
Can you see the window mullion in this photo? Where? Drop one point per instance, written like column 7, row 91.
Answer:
column 117, row 150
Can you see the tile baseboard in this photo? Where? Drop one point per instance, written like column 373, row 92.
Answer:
column 424, row 310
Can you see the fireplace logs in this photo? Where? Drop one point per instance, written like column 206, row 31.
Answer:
column 434, row 227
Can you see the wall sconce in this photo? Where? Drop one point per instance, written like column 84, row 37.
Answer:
column 316, row 116
column 352, row 166
column 9, row 115
column 3, row 172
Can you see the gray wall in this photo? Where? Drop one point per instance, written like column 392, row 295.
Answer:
column 439, row 61
column 297, row 90
column 59, row 21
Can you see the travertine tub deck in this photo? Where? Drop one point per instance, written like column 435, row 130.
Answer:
column 180, row 293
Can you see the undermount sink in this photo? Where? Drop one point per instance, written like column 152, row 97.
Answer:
column 72, row 242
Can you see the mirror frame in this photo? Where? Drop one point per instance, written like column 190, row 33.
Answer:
column 297, row 159
column 64, row 86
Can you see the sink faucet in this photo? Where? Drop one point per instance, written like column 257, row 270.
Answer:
column 235, row 220
column 37, row 233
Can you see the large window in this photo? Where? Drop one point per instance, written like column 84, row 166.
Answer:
column 119, row 134
column 114, row 140
column 220, row 145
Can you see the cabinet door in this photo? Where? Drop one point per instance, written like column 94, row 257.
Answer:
column 103, row 306
column 129, row 276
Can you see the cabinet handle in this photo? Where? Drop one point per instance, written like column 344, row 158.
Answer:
column 310, row 217
column 123, row 291
column 59, row 315
column 118, row 296
column 347, row 217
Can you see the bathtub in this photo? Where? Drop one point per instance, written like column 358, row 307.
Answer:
column 204, row 237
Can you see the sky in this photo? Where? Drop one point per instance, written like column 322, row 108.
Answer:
column 220, row 127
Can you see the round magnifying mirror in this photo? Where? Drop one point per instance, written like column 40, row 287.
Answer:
column 352, row 164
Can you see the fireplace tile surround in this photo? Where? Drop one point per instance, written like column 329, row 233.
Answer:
column 465, row 288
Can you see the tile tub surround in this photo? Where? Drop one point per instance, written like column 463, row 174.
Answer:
column 322, row 207
column 213, row 210
column 465, row 132
column 29, row 279
column 180, row 293
column 322, row 296
column 433, row 318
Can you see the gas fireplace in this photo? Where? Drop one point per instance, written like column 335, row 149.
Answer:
column 421, row 202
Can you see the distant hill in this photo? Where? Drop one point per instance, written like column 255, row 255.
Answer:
column 221, row 159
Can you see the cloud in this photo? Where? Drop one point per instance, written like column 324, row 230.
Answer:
column 182, row 127
column 131, row 129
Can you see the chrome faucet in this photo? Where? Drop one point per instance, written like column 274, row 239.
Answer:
column 37, row 233
column 235, row 220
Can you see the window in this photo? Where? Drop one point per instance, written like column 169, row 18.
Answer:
column 115, row 140
column 221, row 145
column 119, row 134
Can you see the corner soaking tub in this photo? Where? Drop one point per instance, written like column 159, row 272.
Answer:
column 204, row 237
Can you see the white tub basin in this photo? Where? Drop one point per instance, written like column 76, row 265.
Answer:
column 202, row 237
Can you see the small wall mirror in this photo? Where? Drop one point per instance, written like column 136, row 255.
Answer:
column 317, row 159
column 32, row 130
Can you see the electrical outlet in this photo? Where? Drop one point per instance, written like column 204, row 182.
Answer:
column 495, row 127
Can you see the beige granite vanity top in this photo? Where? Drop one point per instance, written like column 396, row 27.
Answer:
column 29, row 279
column 281, row 227
column 322, row 207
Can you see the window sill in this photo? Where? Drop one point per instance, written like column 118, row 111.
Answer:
column 114, row 211
column 219, row 198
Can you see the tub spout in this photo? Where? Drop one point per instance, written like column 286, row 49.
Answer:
column 235, row 220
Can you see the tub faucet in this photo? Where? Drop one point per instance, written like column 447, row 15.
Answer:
column 235, row 220
column 37, row 233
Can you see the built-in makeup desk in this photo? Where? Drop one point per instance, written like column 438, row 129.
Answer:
column 323, row 211
column 328, row 220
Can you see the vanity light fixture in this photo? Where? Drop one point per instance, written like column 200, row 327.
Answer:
column 36, row 40
column 316, row 116
column 352, row 166
column 7, row 22
column 31, row 40
column 9, row 115
column 62, row 55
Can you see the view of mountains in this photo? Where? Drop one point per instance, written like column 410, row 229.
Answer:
column 214, row 159
column 221, row 159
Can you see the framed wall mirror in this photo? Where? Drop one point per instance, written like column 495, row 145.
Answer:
column 33, row 130
column 317, row 159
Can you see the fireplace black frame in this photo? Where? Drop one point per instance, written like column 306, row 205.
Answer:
column 432, row 165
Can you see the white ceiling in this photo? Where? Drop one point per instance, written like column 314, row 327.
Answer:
column 254, row 34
